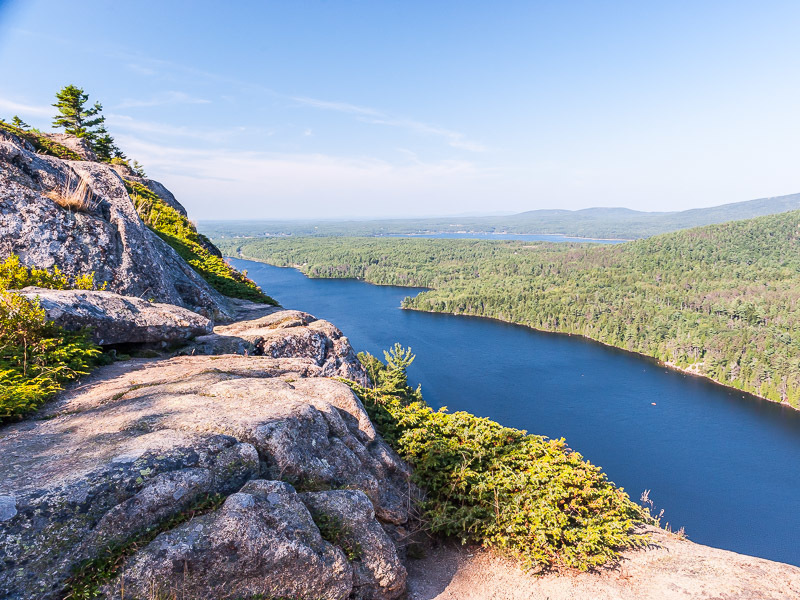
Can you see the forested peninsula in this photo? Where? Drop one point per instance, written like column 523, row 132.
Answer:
column 720, row 301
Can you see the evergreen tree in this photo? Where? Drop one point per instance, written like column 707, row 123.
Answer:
column 104, row 146
column 138, row 168
column 74, row 116
column 19, row 123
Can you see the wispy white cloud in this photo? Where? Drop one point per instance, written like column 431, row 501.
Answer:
column 24, row 110
column 336, row 106
column 141, row 69
column 285, row 185
column 162, row 99
column 375, row 116
column 454, row 138
column 130, row 125
column 366, row 114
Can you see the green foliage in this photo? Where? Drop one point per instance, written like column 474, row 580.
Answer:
column 41, row 144
column 36, row 357
column 138, row 169
column 73, row 114
column 77, row 119
column 196, row 249
column 91, row 575
column 525, row 495
column 333, row 530
column 15, row 276
column 104, row 146
column 19, row 123
column 719, row 300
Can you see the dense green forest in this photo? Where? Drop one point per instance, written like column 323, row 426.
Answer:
column 721, row 300
column 596, row 223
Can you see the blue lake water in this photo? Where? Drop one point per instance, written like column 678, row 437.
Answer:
column 721, row 464
column 525, row 237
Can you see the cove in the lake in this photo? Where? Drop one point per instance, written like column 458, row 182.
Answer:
column 721, row 464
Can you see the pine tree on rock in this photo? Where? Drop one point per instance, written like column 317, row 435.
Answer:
column 74, row 116
column 19, row 123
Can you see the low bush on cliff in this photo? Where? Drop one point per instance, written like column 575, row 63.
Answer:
column 526, row 495
column 15, row 276
column 36, row 357
column 193, row 247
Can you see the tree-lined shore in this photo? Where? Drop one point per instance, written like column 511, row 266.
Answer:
column 721, row 300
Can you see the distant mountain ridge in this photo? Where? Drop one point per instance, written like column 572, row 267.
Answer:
column 597, row 223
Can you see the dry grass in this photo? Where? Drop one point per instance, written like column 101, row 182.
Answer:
column 75, row 195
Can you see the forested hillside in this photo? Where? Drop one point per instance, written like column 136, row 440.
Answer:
column 721, row 300
column 596, row 223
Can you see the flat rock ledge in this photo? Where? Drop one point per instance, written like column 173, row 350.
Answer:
column 136, row 444
column 116, row 319
column 670, row 568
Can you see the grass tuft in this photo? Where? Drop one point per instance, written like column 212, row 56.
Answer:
column 75, row 196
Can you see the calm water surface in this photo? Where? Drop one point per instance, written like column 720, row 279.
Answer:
column 721, row 465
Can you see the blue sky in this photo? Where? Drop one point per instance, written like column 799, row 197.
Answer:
column 366, row 109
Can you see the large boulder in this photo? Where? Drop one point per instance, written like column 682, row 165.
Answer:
column 106, row 236
column 262, row 543
column 137, row 444
column 115, row 319
column 286, row 333
column 349, row 516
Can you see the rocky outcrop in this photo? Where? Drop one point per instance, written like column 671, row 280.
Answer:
column 139, row 443
column 377, row 571
column 285, row 334
column 106, row 237
column 263, row 541
column 115, row 319
column 79, row 146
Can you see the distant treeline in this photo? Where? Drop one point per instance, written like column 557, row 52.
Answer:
column 723, row 300
column 595, row 223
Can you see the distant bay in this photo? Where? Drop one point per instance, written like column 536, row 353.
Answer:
column 524, row 237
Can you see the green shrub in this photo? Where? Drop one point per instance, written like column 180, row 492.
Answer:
column 15, row 276
column 177, row 231
column 41, row 144
column 526, row 495
column 36, row 357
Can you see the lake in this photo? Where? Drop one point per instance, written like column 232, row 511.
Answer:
column 722, row 464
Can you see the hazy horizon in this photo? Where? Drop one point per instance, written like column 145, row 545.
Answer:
column 278, row 111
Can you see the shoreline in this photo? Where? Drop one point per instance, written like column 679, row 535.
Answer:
column 667, row 364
